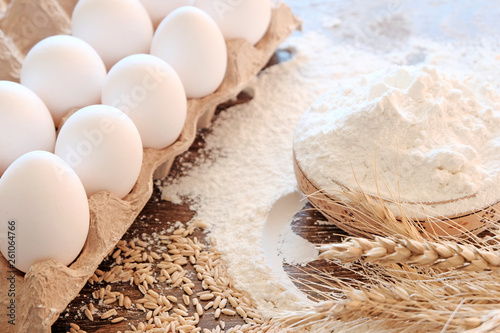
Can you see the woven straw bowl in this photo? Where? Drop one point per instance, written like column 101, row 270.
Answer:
column 356, row 223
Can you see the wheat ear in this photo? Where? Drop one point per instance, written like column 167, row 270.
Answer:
column 443, row 256
column 419, row 299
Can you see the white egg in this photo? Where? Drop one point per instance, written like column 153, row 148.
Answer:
column 44, row 212
column 104, row 148
column 65, row 72
column 150, row 92
column 159, row 9
column 247, row 19
column 190, row 41
column 114, row 28
column 25, row 123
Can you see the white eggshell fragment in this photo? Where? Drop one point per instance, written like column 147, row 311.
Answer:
column 44, row 212
column 247, row 19
column 114, row 28
column 25, row 123
column 190, row 41
column 65, row 72
column 104, row 148
column 159, row 9
column 150, row 92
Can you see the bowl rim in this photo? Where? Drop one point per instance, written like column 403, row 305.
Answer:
column 470, row 222
column 332, row 197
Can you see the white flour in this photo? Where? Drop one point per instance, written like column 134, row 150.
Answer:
column 416, row 135
column 253, row 167
column 251, row 145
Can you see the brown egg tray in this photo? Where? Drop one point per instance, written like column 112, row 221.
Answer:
column 48, row 287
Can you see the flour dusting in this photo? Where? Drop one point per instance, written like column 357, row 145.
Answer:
column 250, row 146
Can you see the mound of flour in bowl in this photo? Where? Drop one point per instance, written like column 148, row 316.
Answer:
column 408, row 133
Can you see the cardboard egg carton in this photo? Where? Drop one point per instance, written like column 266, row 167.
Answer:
column 24, row 23
column 33, row 301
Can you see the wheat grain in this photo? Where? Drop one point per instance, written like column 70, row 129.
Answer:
column 206, row 297
column 217, row 313
column 182, row 307
column 109, row 314
column 199, row 309
column 228, row 312
column 172, row 298
column 136, row 265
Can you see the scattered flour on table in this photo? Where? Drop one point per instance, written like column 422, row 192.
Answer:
column 250, row 145
column 253, row 166
column 293, row 249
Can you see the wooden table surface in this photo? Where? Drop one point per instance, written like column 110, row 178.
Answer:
column 160, row 215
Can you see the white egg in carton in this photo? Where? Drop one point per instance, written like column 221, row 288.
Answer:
column 40, row 295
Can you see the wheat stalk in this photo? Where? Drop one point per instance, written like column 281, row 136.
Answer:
column 407, row 278
column 443, row 256
column 420, row 300
column 491, row 323
column 393, row 305
column 374, row 215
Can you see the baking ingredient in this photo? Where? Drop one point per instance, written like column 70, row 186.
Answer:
column 65, row 72
column 44, row 211
column 248, row 19
column 251, row 166
column 250, row 146
column 172, row 269
column 280, row 243
column 159, row 9
column 419, row 135
column 115, row 28
column 113, row 220
column 441, row 256
column 150, row 92
column 25, row 123
column 190, row 41
column 104, row 148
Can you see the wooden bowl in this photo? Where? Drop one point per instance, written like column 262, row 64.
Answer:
column 354, row 222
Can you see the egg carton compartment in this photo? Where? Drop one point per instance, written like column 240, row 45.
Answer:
column 24, row 23
column 40, row 295
column 3, row 6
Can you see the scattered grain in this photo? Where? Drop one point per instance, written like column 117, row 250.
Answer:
column 206, row 297
column 241, row 312
column 181, row 312
column 172, row 298
column 217, row 313
column 228, row 312
column 109, row 314
column 199, row 309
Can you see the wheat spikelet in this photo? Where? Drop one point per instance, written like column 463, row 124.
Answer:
column 420, row 300
column 491, row 323
column 408, row 280
column 372, row 212
column 443, row 256
column 373, row 215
